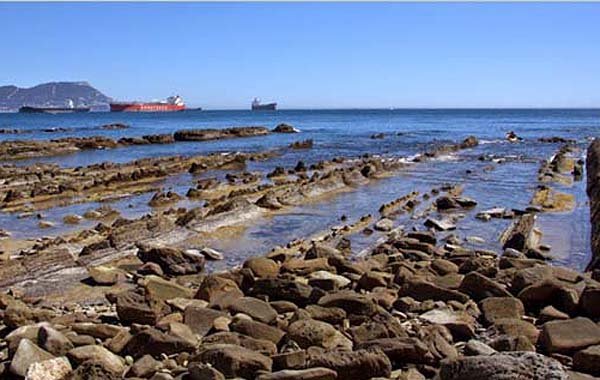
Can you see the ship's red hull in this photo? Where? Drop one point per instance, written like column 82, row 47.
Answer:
column 145, row 107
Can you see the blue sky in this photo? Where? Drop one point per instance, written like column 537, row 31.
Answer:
column 313, row 55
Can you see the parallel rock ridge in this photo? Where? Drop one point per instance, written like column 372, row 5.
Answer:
column 418, row 304
column 314, row 313
column 22, row 149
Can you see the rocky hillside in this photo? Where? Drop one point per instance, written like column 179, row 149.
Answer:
column 51, row 94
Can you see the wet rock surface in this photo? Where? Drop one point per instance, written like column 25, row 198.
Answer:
column 132, row 298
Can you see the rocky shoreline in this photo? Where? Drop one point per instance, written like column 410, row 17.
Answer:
column 132, row 298
column 25, row 149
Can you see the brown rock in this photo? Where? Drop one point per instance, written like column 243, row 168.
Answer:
column 460, row 323
column 495, row 308
column 159, row 289
column 144, row 367
column 549, row 292
column 54, row 341
column 171, row 260
column 278, row 289
column 517, row 327
column 27, row 353
column 503, row 366
column 262, row 267
column 218, row 291
column 103, row 275
column 569, row 336
column 355, row 365
column 150, row 341
column 133, row 308
column 309, row 332
column 350, row 301
column 254, row 307
column 256, row 330
column 97, row 354
column 422, row 290
column 201, row 319
column 289, row 360
column 201, row 371
column 588, row 360
column 479, row 287
column 401, row 350
column 233, row 361
column 331, row 315
column 302, row 374
column 590, row 302
column 265, row 347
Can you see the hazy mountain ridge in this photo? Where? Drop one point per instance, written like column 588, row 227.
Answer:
column 53, row 94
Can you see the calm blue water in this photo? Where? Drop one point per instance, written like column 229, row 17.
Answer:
column 345, row 133
column 337, row 132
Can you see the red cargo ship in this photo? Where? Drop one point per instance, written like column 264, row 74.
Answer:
column 173, row 103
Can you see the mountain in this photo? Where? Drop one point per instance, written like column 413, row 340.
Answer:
column 53, row 94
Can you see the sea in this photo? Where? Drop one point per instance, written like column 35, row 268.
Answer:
column 497, row 173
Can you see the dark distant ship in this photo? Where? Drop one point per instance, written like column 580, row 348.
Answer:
column 256, row 106
column 53, row 110
column 173, row 103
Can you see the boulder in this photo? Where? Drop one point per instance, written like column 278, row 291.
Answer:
column 503, row 366
column 304, row 266
column 515, row 328
column 201, row 371
column 479, row 287
column 310, row 332
column 590, row 302
column 333, row 315
column 51, row 369
column 355, row 365
column 256, row 330
column 133, row 308
column 384, row 224
column 280, row 289
column 172, row 261
column 289, row 360
column 144, row 367
column 160, row 290
column 103, row 275
column 201, row 319
column 588, row 360
column 327, row 280
column 549, row 292
column 152, row 342
column 285, row 128
column 318, row 373
column 423, row 290
column 401, row 350
column 254, row 307
column 54, row 341
column 97, row 330
column 475, row 348
column 350, row 301
column 460, row 323
column 519, row 235
column 443, row 267
column 91, row 370
column 233, row 361
column 218, row 291
column 263, row 346
column 97, row 354
column 494, row 308
column 569, row 336
column 27, row 353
